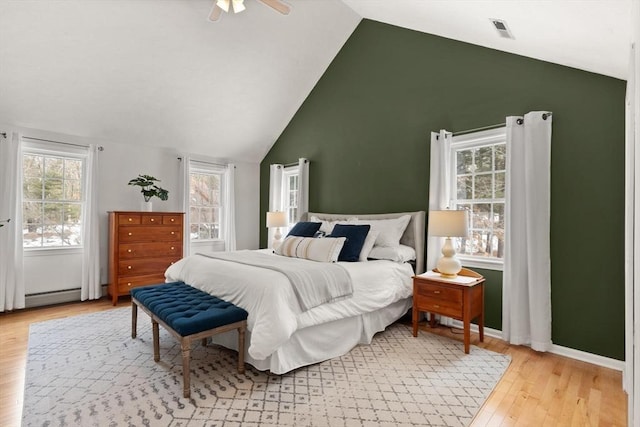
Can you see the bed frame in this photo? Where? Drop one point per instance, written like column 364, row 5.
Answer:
column 413, row 236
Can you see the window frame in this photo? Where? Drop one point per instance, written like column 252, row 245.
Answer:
column 202, row 168
column 64, row 151
column 464, row 142
column 287, row 173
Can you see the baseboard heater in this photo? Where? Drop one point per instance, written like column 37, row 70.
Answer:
column 56, row 297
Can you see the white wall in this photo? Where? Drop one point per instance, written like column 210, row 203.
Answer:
column 53, row 271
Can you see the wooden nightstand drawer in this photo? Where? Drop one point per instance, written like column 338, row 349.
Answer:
column 440, row 293
column 445, row 308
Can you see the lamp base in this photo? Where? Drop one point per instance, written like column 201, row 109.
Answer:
column 448, row 276
column 449, row 266
column 276, row 239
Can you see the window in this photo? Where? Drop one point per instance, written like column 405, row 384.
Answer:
column 205, row 202
column 478, row 186
column 53, row 199
column 290, row 183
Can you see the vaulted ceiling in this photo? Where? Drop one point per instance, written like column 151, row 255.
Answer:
column 159, row 73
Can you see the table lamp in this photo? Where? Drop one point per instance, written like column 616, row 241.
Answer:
column 449, row 223
column 276, row 220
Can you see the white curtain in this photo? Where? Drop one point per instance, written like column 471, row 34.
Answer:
column 91, row 288
column 11, row 263
column 439, row 187
column 526, row 307
column 229, row 227
column 303, row 187
column 631, row 378
column 185, row 161
column 275, row 195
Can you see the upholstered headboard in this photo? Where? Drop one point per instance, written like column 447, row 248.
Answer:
column 413, row 236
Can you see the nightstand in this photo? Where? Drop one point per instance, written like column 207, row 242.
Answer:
column 461, row 298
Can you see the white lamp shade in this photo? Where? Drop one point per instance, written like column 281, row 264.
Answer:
column 238, row 6
column 276, row 219
column 449, row 223
column 223, row 4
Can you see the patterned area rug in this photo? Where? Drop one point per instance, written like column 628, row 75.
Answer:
column 87, row 371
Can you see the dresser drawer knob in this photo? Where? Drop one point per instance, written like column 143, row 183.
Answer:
column 129, row 267
column 129, row 284
column 153, row 219
column 130, row 234
column 129, row 250
column 436, row 292
column 173, row 248
column 171, row 263
column 130, row 219
column 173, row 219
column 173, row 232
column 436, row 306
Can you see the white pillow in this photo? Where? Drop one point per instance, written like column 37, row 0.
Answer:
column 369, row 241
column 322, row 250
column 327, row 226
column 389, row 230
column 401, row 253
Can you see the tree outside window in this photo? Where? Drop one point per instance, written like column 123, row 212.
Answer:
column 52, row 200
column 479, row 187
column 205, row 205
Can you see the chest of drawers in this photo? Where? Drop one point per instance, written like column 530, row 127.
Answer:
column 141, row 247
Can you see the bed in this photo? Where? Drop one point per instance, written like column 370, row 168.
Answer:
column 281, row 335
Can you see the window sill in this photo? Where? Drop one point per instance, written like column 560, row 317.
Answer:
column 497, row 265
column 29, row 252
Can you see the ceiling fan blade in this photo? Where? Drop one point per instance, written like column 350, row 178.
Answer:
column 278, row 5
column 215, row 13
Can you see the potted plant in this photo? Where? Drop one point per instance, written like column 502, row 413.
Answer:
column 149, row 189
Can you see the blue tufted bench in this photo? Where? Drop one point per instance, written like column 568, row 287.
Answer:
column 188, row 314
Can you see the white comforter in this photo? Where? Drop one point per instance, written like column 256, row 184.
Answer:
column 274, row 312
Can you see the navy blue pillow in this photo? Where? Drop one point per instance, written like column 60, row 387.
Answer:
column 355, row 234
column 305, row 229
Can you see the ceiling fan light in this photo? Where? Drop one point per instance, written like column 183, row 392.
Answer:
column 223, row 4
column 238, row 6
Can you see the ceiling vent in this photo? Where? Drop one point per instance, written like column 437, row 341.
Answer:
column 502, row 28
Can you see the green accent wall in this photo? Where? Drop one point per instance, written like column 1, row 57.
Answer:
column 366, row 129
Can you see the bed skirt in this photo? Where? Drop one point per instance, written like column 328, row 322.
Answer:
column 321, row 342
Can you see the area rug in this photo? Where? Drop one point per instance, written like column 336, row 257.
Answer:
column 87, row 371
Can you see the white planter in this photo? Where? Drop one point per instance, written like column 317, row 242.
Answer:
column 147, row 206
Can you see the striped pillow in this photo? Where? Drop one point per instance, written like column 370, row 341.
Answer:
column 323, row 250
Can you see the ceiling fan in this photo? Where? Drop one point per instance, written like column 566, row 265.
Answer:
column 238, row 6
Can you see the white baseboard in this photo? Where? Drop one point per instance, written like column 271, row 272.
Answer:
column 572, row 353
column 57, row 297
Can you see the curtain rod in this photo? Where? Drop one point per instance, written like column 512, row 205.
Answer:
column 497, row 125
column 205, row 162
column 100, row 147
column 287, row 165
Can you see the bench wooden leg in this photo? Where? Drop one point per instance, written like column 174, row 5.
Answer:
column 204, row 342
column 156, row 340
column 241, row 349
column 134, row 320
column 186, row 373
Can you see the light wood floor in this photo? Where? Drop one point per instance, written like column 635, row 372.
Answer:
column 537, row 389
